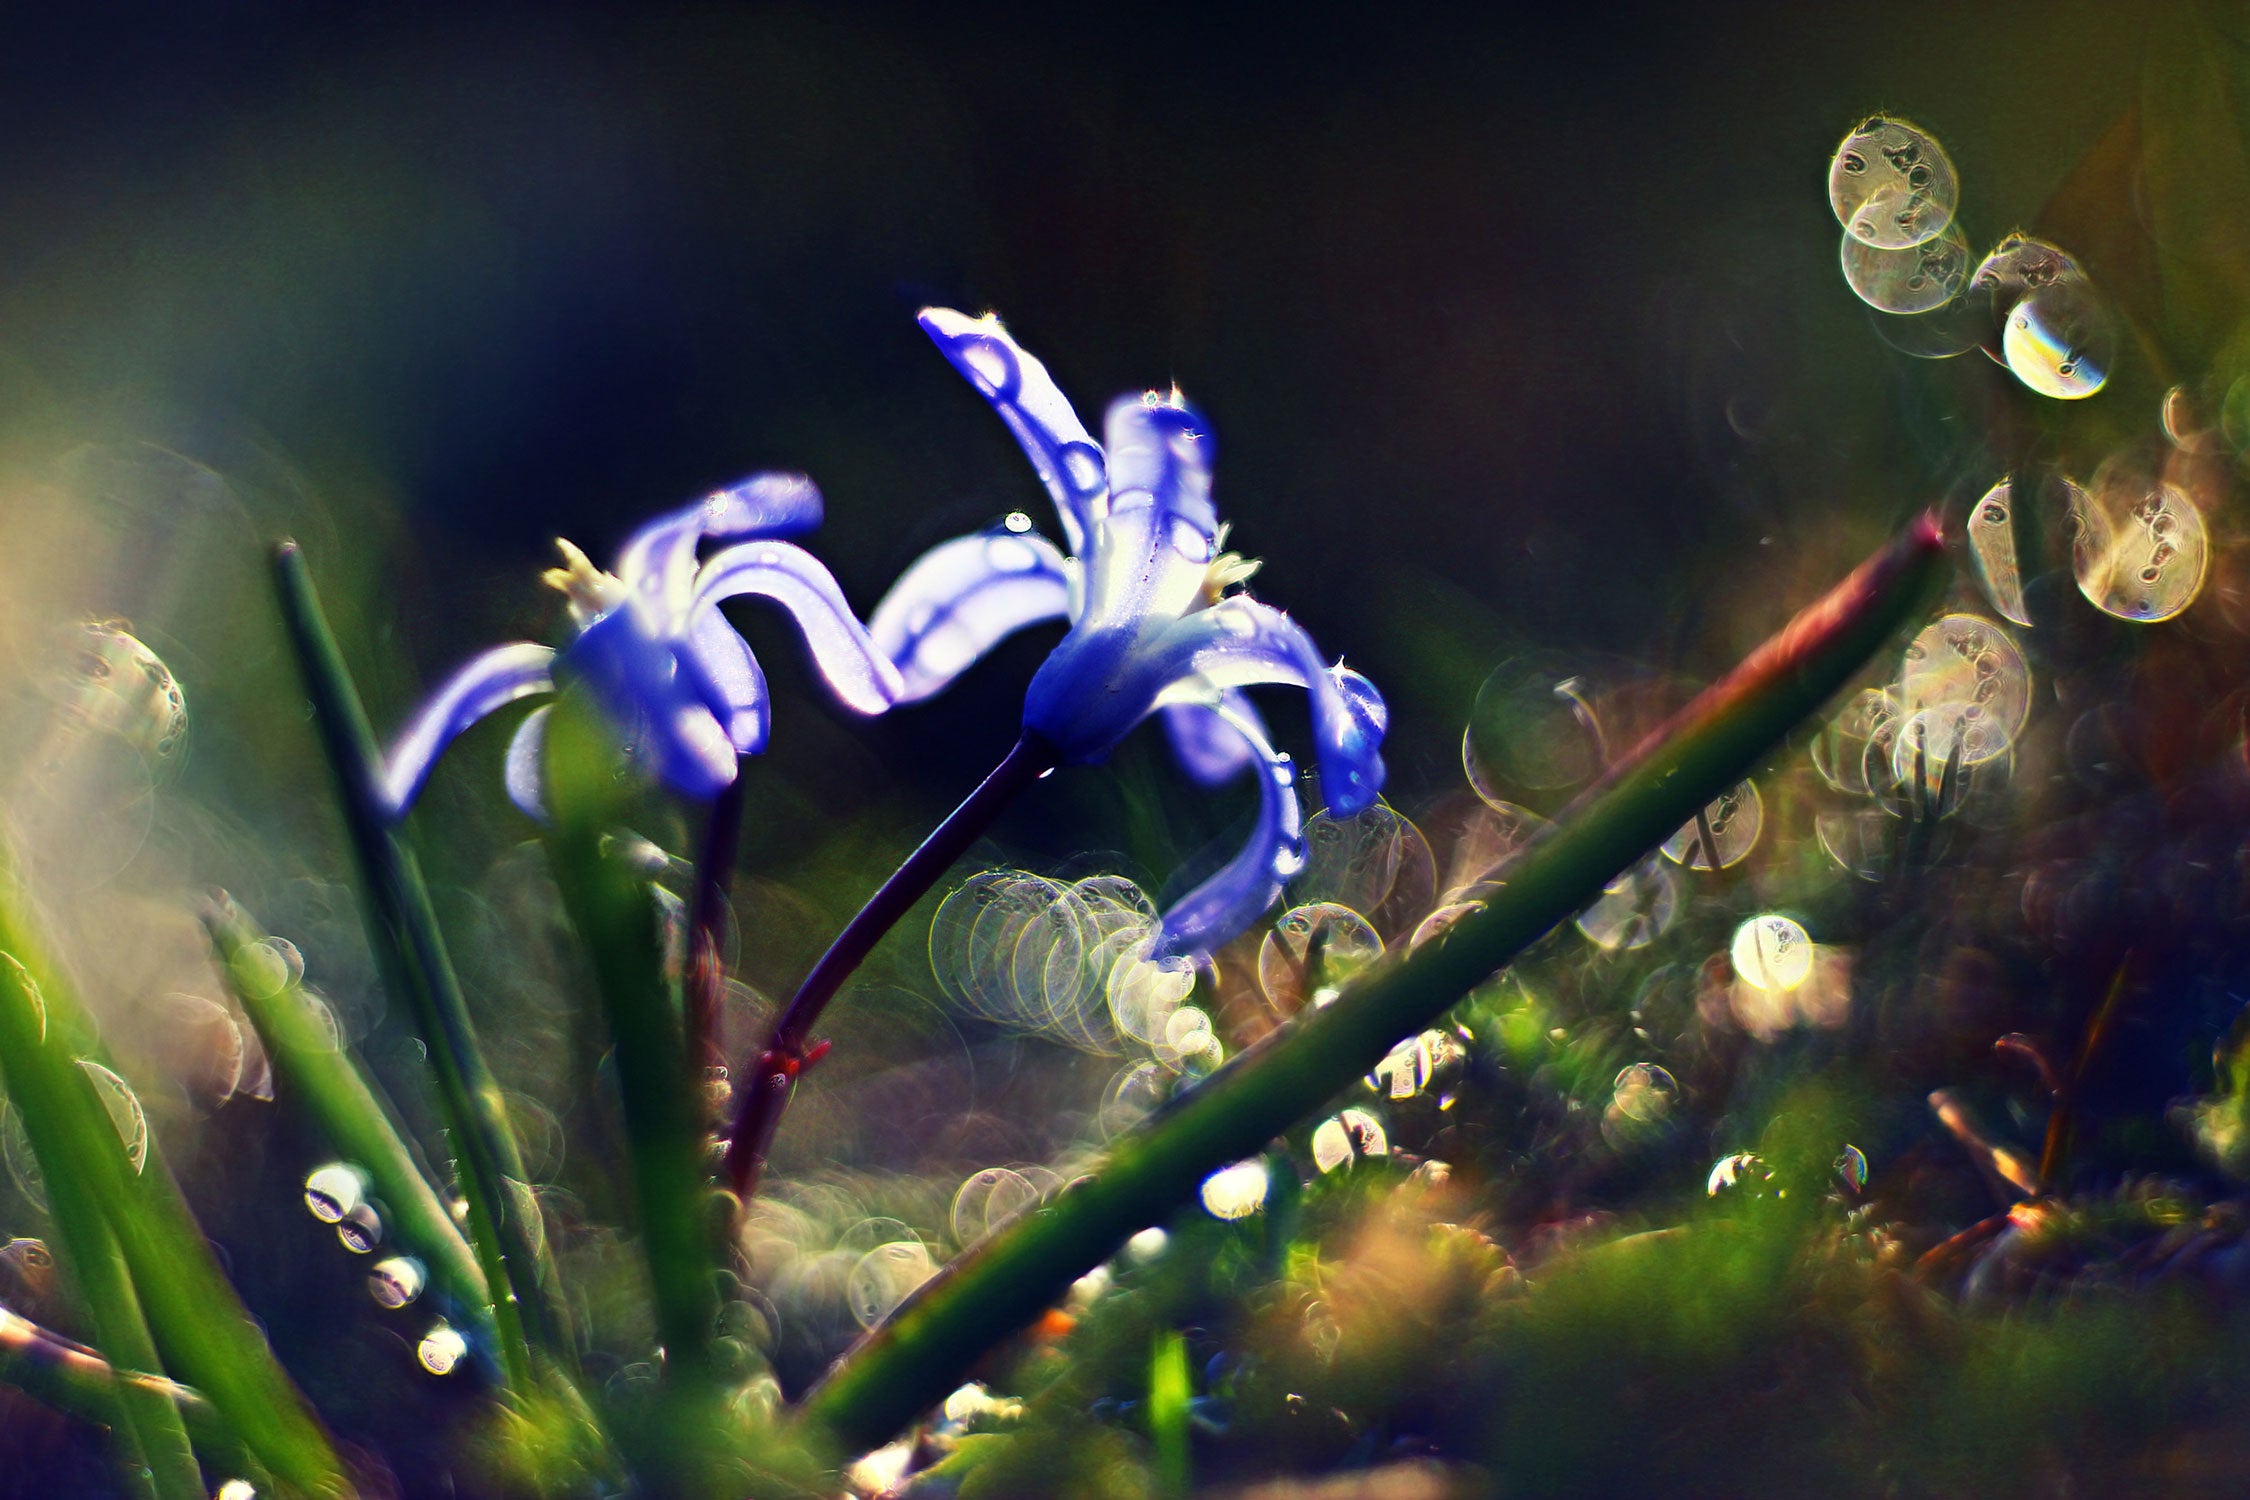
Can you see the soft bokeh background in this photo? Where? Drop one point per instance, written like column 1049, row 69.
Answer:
column 1516, row 328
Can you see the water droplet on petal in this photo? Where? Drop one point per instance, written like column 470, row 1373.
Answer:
column 1017, row 522
column 1238, row 1191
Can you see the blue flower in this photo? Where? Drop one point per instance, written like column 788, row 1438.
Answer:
column 676, row 681
column 1157, row 624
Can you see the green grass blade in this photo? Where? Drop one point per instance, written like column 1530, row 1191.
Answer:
column 79, row 1154
column 402, row 929
column 202, row 1331
column 614, row 911
column 1169, row 1392
column 303, row 1048
column 924, row 1349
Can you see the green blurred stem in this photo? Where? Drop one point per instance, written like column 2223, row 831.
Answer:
column 1169, row 1393
column 305, row 1054
column 402, row 929
column 77, row 1147
column 659, row 1084
column 202, row 1330
column 922, row 1352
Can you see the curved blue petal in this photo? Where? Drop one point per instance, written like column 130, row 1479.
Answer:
column 1239, row 642
column 659, row 559
column 526, row 772
column 1068, row 461
column 659, row 710
column 495, row 677
column 1208, row 748
column 734, row 686
column 862, row 678
column 960, row 599
column 1209, row 916
column 1153, row 549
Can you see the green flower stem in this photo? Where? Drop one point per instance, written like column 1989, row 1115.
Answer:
column 402, row 929
column 303, row 1048
column 922, row 1352
column 202, row 1330
column 77, row 1147
column 658, row 1082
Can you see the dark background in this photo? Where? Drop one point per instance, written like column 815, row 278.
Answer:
column 1510, row 323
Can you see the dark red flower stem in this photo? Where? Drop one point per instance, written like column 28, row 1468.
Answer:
column 789, row 1049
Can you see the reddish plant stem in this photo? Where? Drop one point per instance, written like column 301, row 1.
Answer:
column 789, row 1049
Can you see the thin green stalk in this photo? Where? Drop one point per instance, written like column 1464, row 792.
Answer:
column 658, row 1081
column 77, row 1147
column 1169, row 1393
column 201, row 1328
column 913, row 1359
column 403, row 931
column 306, row 1057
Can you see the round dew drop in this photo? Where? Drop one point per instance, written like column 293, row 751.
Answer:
column 1772, row 953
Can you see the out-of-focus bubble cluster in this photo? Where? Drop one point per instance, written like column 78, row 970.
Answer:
column 1640, row 1104
column 1891, row 184
column 1310, row 951
column 1351, row 862
column 1936, row 741
column 1992, row 542
column 1342, row 1139
column 1054, row 958
column 1723, row 834
column 1238, row 1191
column 2139, row 547
column 884, row 1276
column 1904, row 253
column 83, row 793
column 1532, row 729
column 1772, row 952
column 1426, row 1060
column 1636, row 908
column 987, row 1200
